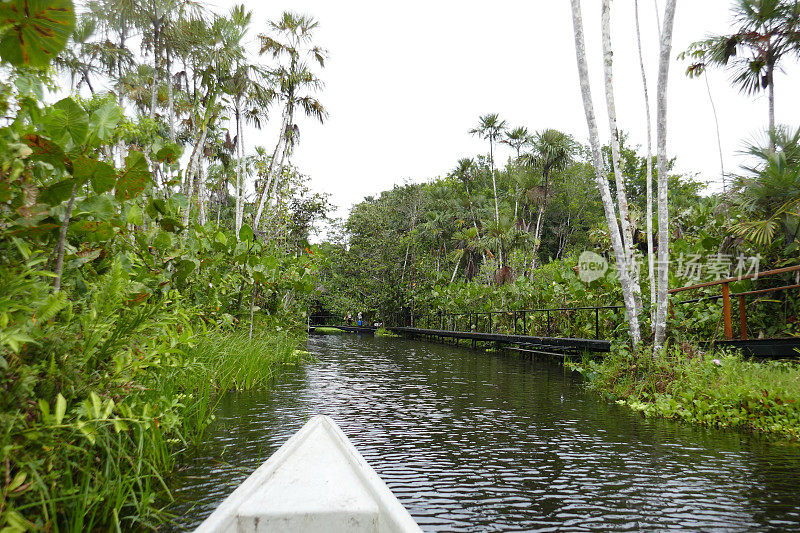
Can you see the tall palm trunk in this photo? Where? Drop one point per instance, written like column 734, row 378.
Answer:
column 287, row 147
column 662, row 298
column 202, row 195
column 622, row 197
column 537, row 233
column 239, row 169
column 649, row 188
column 771, row 95
column 154, row 88
column 494, row 181
column 266, row 186
column 170, row 98
column 602, row 179
column 192, row 172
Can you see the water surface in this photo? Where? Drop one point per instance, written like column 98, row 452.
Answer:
column 470, row 441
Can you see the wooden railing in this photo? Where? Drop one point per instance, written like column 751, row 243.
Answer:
column 726, row 296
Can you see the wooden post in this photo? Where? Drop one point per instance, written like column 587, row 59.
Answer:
column 726, row 311
column 742, row 318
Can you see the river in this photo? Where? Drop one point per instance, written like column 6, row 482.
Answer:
column 474, row 441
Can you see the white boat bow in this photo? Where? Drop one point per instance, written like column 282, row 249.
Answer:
column 316, row 482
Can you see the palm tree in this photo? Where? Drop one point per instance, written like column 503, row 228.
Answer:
column 79, row 59
column 769, row 193
column 552, row 151
column 490, row 127
column 517, row 138
column 250, row 92
column 295, row 85
column 766, row 33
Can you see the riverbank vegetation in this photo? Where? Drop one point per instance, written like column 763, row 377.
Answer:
column 714, row 388
column 136, row 282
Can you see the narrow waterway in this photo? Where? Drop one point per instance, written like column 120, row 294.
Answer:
column 470, row 441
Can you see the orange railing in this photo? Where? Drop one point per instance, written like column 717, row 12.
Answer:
column 726, row 296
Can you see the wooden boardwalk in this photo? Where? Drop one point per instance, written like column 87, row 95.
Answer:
column 545, row 345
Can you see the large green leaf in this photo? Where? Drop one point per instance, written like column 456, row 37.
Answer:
column 169, row 153
column 104, row 121
column 67, row 121
column 58, row 192
column 246, row 233
column 100, row 207
column 93, row 230
column 132, row 180
column 101, row 174
column 185, row 268
column 35, row 30
column 46, row 150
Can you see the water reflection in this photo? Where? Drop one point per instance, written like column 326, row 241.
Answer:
column 477, row 442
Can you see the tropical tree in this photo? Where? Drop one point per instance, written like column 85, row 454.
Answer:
column 767, row 32
column 769, row 193
column 551, row 151
column 295, row 84
column 250, row 90
column 517, row 138
column 491, row 128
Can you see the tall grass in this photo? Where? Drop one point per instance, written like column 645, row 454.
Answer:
column 232, row 361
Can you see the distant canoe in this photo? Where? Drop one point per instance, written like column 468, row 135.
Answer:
column 316, row 482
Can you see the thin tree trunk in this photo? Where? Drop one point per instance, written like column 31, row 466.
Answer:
column 62, row 240
column 201, row 192
column 455, row 270
column 154, row 89
column 719, row 140
column 771, row 92
column 649, row 208
column 662, row 298
column 266, row 187
column 494, row 183
column 622, row 197
column 602, row 179
column 170, row 99
column 471, row 208
column 239, row 170
column 191, row 172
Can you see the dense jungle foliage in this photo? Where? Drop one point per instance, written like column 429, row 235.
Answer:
column 131, row 278
column 437, row 247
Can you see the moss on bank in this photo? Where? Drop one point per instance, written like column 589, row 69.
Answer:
column 717, row 388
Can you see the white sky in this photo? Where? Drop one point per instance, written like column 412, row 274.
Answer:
column 406, row 81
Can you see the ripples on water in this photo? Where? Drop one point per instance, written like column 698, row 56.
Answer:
column 470, row 441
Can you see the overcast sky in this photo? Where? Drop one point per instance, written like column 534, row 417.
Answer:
column 407, row 80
